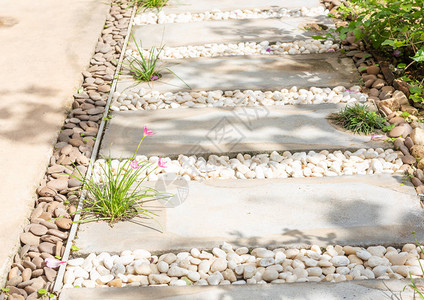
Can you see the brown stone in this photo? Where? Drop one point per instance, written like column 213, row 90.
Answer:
column 378, row 84
column 28, row 238
column 397, row 120
column 417, row 136
column 398, row 142
column 409, row 109
column 115, row 283
column 64, row 223
column 58, row 233
column 404, row 150
column 403, row 130
column 26, row 274
column 373, row 70
column 38, row 229
column 408, row 159
column 58, row 184
column 38, row 262
column 47, row 192
column 400, row 98
column 14, row 281
column 420, row 190
column 417, row 151
column 50, row 274
column 419, row 174
column 408, row 142
column 46, row 216
column 29, row 264
column 47, row 247
column 401, row 86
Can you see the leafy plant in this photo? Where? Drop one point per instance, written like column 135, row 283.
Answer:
column 146, row 68
column 388, row 127
column 116, row 196
column 416, row 89
column 392, row 26
column 44, row 293
column 74, row 248
column 359, row 119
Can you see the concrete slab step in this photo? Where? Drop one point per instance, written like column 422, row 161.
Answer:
column 348, row 290
column 232, row 31
column 194, row 6
column 346, row 210
column 229, row 130
column 251, row 72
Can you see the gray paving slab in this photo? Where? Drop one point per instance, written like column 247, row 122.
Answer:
column 251, row 72
column 249, row 30
column 345, row 210
column 348, row 290
column 229, row 130
column 193, row 6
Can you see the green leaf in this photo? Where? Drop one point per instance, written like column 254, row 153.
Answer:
column 419, row 56
column 58, row 257
column 405, row 114
column 42, row 291
column 388, row 42
column 80, row 90
column 318, row 37
column 401, row 66
column 74, row 248
column 5, row 290
column 388, row 128
column 415, row 89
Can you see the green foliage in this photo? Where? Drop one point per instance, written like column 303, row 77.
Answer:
column 74, row 248
column 389, row 25
column 388, row 127
column 359, row 119
column 416, row 89
column 45, row 294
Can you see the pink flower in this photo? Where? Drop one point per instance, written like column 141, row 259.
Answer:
column 350, row 91
column 134, row 165
column 154, row 77
column 331, row 50
column 396, row 53
column 375, row 137
column 53, row 262
column 146, row 131
column 161, row 163
column 268, row 49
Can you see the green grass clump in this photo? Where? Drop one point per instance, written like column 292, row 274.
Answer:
column 359, row 119
column 147, row 4
column 144, row 69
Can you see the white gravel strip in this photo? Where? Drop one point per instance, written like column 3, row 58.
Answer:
column 227, row 265
column 144, row 100
column 217, row 15
column 274, row 165
column 249, row 48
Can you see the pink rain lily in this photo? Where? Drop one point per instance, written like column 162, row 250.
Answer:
column 53, row 263
column 331, row 50
column 268, row 49
column 350, row 91
column 396, row 53
column 146, row 131
column 161, row 163
column 154, row 77
column 134, row 165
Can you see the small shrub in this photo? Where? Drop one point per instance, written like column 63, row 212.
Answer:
column 359, row 119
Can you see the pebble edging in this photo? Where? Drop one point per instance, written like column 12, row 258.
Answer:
column 218, row 15
column 308, row 46
column 145, row 100
column 227, row 265
column 274, row 165
column 58, row 192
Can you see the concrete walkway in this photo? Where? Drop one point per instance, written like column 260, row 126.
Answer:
column 44, row 47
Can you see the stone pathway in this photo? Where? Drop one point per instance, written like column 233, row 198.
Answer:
column 235, row 190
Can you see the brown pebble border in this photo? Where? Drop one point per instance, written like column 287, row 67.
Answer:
column 58, row 193
column 391, row 97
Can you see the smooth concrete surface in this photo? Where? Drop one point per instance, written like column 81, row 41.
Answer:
column 344, row 210
column 44, row 47
column 204, row 131
column 250, row 72
column 231, row 31
column 194, row 6
column 348, row 290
